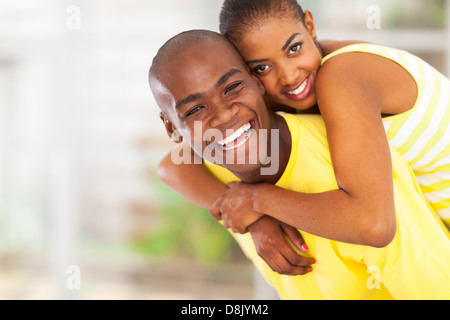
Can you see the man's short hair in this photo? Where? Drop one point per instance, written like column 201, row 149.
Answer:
column 179, row 43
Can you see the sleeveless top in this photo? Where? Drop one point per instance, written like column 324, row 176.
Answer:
column 422, row 134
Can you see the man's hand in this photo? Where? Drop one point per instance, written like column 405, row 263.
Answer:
column 235, row 207
column 270, row 238
column 277, row 243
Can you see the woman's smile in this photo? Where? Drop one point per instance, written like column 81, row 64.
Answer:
column 300, row 91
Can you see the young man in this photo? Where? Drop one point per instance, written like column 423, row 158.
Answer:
column 209, row 100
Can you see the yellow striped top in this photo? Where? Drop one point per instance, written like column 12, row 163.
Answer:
column 422, row 134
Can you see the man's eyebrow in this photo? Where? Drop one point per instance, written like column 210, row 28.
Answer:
column 197, row 96
column 288, row 42
column 187, row 100
column 227, row 76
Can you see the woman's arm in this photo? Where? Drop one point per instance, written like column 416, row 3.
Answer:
column 352, row 95
column 335, row 215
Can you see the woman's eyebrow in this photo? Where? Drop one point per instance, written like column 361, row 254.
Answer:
column 256, row 61
column 288, row 42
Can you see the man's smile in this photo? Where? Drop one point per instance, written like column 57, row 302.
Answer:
column 238, row 138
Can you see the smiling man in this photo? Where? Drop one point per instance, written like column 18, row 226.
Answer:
column 205, row 113
column 202, row 84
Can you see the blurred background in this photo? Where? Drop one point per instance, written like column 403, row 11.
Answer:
column 82, row 213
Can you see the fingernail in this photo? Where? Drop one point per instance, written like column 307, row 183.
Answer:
column 304, row 247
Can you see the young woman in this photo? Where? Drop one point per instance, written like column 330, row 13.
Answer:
column 371, row 97
column 362, row 90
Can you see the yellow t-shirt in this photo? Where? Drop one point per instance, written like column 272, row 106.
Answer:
column 416, row 265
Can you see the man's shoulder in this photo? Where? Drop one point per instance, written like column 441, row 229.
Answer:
column 306, row 125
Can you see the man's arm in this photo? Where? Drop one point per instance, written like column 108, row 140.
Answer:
column 192, row 181
column 196, row 183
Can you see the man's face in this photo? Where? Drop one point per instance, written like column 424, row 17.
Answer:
column 210, row 98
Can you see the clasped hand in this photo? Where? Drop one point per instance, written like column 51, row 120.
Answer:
column 235, row 207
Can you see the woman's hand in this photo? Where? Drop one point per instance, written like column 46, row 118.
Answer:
column 277, row 243
column 235, row 207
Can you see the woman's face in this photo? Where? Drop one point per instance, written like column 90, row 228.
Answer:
column 285, row 57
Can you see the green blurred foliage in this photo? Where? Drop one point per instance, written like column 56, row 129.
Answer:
column 186, row 230
column 423, row 14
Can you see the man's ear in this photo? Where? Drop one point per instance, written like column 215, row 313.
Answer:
column 258, row 82
column 170, row 129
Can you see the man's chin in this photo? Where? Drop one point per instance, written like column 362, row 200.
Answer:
column 244, row 171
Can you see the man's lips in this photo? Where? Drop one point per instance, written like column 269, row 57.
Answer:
column 238, row 138
column 300, row 91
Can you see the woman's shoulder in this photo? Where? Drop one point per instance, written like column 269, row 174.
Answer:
column 364, row 71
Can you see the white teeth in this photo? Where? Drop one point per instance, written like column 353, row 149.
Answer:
column 235, row 135
column 300, row 89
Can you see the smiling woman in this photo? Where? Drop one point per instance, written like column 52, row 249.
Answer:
column 270, row 56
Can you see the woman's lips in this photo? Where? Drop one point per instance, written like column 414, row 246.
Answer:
column 301, row 91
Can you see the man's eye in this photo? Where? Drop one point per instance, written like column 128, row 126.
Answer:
column 260, row 69
column 232, row 87
column 295, row 48
column 193, row 111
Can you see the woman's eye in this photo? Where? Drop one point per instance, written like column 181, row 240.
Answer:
column 260, row 69
column 232, row 87
column 296, row 48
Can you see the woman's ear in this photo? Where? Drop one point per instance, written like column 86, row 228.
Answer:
column 172, row 132
column 308, row 21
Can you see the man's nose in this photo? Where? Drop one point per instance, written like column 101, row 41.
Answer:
column 223, row 113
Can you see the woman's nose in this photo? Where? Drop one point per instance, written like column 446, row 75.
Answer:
column 287, row 75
